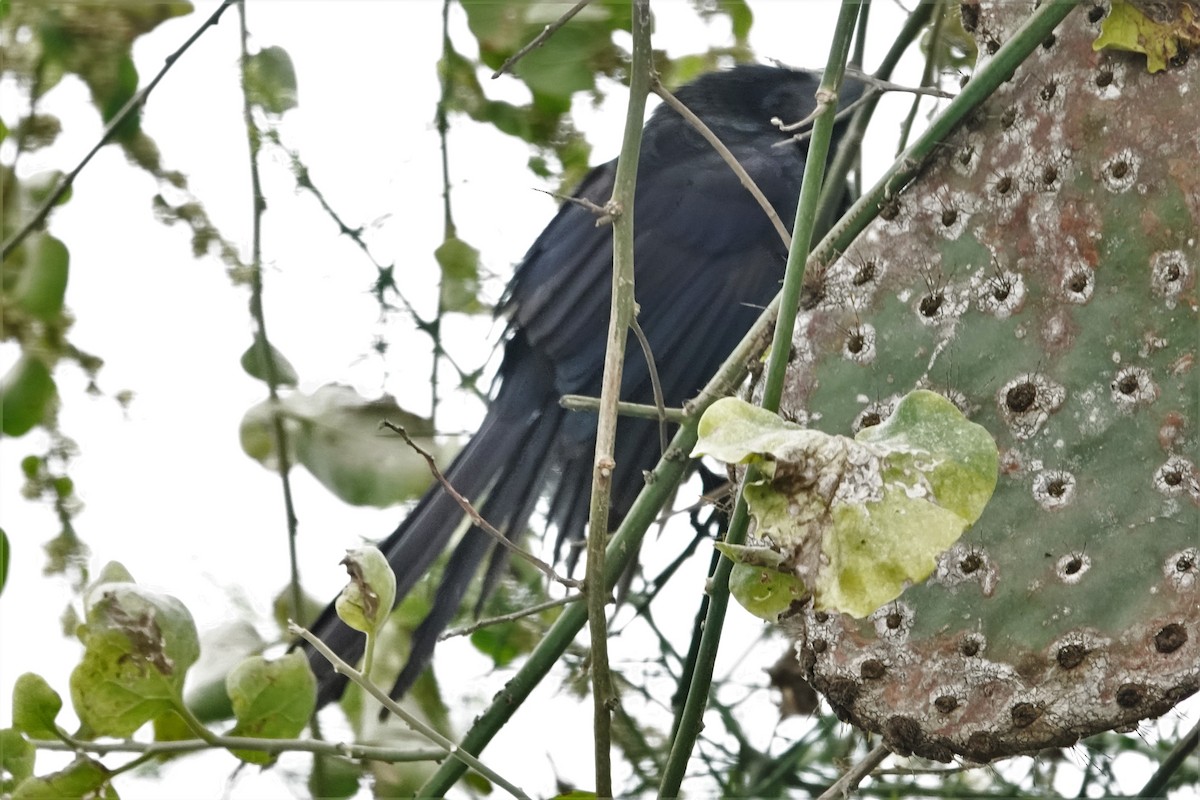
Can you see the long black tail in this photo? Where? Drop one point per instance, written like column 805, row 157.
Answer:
column 501, row 471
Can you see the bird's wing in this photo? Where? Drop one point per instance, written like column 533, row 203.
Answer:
column 706, row 261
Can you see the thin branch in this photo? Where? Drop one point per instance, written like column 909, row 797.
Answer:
column 690, row 721
column 935, row 33
column 878, row 82
column 602, row 213
column 660, row 403
column 474, row 514
column 846, row 784
column 391, row 705
column 620, row 320
column 127, row 110
column 448, row 228
column 467, row 630
column 1157, row 785
column 851, row 147
column 541, row 38
column 263, row 343
column 304, row 181
column 710, row 137
column 580, row 402
column 390, row 755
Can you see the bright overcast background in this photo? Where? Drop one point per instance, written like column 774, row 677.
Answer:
column 168, row 491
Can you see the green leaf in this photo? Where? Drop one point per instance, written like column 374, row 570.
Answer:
column 368, row 598
column 337, row 778
column 335, row 434
column 138, row 646
column 1127, row 28
column 221, row 649
column 253, row 362
column 112, row 95
column 35, row 707
column 505, row 641
column 764, row 592
column 564, row 64
column 111, row 572
column 26, row 394
column 271, row 700
column 854, row 521
column 83, row 778
column 170, row 727
column 741, row 18
column 460, row 276
column 271, row 80
column 962, row 473
column 5, row 556
column 17, row 757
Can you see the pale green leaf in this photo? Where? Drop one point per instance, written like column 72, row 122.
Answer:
column 271, row 80
column 138, row 646
column 335, row 433
column 271, row 700
column 368, row 598
column 853, row 520
column 35, row 707
column 254, row 362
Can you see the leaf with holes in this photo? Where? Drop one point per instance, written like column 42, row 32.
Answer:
column 138, row 646
column 857, row 520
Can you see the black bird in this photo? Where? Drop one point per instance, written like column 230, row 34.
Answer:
column 707, row 260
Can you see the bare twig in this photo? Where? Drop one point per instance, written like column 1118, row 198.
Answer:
column 389, row 755
column 127, row 110
column 927, row 75
column 580, row 402
column 263, row 343
column 655, row 385
column 449, row 230
column 601, row 212
column 620, row 320
column 467, row 630
column 1157, row 785
column 889, row 86
column 541, row 38
column 710, row 137
column 846, row 784
column 475, row 516
column 391, row 705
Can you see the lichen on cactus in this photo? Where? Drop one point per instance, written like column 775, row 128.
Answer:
column 1042, row 274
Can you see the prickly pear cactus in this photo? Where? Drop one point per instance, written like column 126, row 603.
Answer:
column 1042, row 274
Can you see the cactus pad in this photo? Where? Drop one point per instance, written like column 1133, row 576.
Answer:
column 1041, row 274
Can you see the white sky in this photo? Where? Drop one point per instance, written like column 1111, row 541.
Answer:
column 168, row 491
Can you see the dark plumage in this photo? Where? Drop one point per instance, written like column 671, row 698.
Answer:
column 707, row 260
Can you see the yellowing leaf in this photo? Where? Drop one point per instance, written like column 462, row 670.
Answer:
column 1127, row 28
column 853, row 521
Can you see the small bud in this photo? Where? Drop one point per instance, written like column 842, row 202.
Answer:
column 367, row 600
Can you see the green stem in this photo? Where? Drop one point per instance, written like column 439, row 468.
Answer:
column 389, row 755
column 850, row 148
column 807, row 212
column 456, row 753
column 620, row 319
column 194, row 722
column 927, row 75
column 1157, row 785
column 369, row 656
